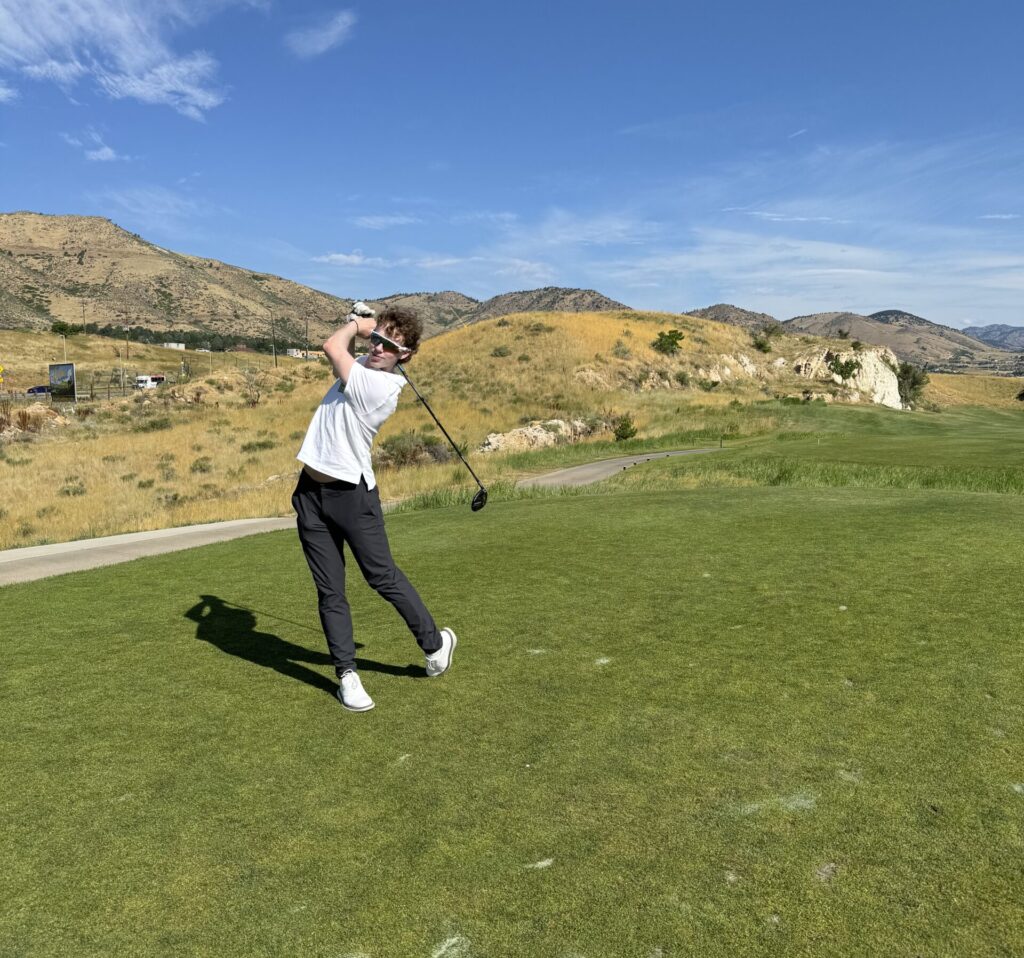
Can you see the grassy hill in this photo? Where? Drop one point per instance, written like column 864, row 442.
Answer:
column 198, row 452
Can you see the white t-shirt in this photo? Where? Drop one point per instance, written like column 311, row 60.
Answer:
column 341, row 432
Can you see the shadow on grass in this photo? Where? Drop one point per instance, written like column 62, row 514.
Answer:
column 232, row 629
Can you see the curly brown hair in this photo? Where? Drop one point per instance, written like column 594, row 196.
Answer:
column 401, row 323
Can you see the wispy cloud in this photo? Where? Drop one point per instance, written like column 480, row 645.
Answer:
column 93, row 147
column 7, row 94
column 384, row 221
column 153, row 211
column 317, row 40
column 1000, row 216
column 793, row 136
column 124, row 47
column 356, row 258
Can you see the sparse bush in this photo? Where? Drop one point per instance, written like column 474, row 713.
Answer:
column 5, row 414
column 153, row 425
column 538, row 327
column 113, row 459
column 856, row 345
column 1020, row 396
column 620, row 350
column 502, row 322
column 761, row 342
column 843, row 333
column 285, row 386
column 254, row 381
column 625, row 428
column 668, row 342
column 45, row 511
column 408, row 448
column 501, row 351
column 73, row 486
column 708, row 384
column 257, row 445
column 683, row 378
column 145, row 483
column 128, row 476
column 911, row 381
column 202, row 464
column 524, row 357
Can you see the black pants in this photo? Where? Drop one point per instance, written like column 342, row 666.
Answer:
column 331, row 514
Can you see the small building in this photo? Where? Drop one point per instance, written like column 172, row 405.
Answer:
column 174, row 345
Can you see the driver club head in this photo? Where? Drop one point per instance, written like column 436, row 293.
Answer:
column 479, row 500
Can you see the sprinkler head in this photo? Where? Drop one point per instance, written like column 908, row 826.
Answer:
column 479, row 500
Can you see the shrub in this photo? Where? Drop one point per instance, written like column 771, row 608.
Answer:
column 5, row 414
column 128, row 476
column 708, row 384
column 524, row 357
column 1020, row 396
column 73, row 486
column 668, row 342
column 683, row 377
column 501, row 351
column 843, row 333
column 153, row 425
column 538, row 327
column 911, row 381
column 624, row 428
column 202, row 464
column 761, row 342
column 257, row 445
column 408, row 448
column 503, row 322
column 620, row 350
column 285, row 386
column 145, row 483
column 297, row 435
column 843, row 368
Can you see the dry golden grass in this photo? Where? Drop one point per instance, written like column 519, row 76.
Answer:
column 969, row 389
column 99, row 476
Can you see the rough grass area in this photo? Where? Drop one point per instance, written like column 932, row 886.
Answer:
column 718, row 722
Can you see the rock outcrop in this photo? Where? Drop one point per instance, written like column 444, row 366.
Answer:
column 537, row 435
column 867, row 373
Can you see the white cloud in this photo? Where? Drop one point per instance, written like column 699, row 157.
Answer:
column 93, row 147
column 384, row 221
column 355, row 258
column 151, row 210
column 1000, row 216
column 7, row 93
column 124, row 47
column 319, row 39
column 793, row 136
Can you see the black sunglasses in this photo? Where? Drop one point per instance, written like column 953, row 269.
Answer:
column 389, row 345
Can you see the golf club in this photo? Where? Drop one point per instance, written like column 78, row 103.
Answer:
column 480, row 499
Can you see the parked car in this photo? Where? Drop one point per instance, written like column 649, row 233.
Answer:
column 38, row 390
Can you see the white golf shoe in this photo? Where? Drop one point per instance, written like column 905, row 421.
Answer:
column 440, row 661
column 351, row 693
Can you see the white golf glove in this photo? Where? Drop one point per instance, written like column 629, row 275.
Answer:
column 361, row 311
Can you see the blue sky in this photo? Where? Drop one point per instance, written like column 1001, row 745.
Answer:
column 788, row 157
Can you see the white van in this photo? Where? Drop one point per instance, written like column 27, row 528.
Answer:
column 148, row 382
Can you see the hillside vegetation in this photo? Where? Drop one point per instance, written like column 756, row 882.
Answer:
column 200, row 450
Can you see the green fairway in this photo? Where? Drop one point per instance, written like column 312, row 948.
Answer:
column 726, row 721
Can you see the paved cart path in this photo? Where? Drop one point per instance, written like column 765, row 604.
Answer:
column 38, row 562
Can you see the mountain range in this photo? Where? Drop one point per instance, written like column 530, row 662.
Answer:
column 86, row 269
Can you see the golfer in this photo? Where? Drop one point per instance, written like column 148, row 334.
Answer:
column 337, row 502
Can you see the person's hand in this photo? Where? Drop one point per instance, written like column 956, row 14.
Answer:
column 364, row 318
column 364, row 325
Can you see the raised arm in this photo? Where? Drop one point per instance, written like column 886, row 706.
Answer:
column 337, row 347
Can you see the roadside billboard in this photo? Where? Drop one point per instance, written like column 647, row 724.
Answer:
column 62, row 382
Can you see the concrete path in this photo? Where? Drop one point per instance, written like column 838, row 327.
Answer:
column 596, row 471
column 38, row 562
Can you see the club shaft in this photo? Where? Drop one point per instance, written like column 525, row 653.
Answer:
column 439, row 426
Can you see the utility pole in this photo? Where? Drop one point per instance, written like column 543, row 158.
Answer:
column 305, row 352
column 65, row 340
column 273, row 337
column 83, row 317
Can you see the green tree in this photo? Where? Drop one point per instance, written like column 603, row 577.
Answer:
column 668, row 342
column 911, row 381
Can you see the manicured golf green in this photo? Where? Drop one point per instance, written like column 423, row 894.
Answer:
column 738, row 721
